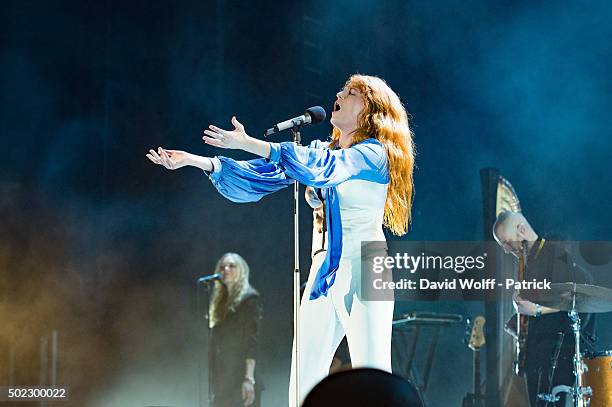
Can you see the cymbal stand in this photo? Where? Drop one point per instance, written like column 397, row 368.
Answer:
column 579, row 393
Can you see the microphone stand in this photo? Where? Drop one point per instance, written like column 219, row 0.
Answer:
column 554, row 361
column 206, row 319
column 295, row 130
column 297, row 139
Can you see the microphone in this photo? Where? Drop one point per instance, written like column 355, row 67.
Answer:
column 312, row 115
column 210, row 278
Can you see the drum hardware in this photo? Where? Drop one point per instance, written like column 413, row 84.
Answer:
column 553, row 367
column 553, row 396
column 589, row 299
column 576, row 298
column 584, row 298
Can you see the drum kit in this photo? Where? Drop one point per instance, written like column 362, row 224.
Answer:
column 593, row 371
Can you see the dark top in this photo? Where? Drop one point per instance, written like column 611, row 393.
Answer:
column 554, row 263
column 233, row 340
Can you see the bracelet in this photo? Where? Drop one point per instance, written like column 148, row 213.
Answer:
column 538, row 311
column 250, row 380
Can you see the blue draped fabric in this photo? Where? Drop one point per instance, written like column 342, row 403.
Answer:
column 248, row 181
column 316, row 166
column 327, row 272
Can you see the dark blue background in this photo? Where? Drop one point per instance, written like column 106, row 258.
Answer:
column 104, row 246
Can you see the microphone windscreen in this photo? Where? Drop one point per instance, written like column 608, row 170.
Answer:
column 317, row 114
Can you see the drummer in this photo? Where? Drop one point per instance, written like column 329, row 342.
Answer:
column 550, row 260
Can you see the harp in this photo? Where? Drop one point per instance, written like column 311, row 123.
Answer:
column 518, row 325
column 501, row 358
column 506, row 197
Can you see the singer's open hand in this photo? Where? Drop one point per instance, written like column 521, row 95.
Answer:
column 171, row 159
column 235, row 139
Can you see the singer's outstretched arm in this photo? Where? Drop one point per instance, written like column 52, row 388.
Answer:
column 318, row 167
column 248, row 181
column 238, row 181
column 175, row 159
column 236, row 139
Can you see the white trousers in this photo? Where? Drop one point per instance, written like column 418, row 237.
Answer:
column 325, row 321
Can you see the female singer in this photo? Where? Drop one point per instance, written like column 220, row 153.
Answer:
column 366, row 171
column 234, row 320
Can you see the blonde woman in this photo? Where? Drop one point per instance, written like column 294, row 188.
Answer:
column 234, row 321
column 366, row 171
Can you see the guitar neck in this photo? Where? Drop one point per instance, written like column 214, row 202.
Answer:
column 476, row 361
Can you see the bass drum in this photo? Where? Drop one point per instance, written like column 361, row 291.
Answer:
column 599, row 377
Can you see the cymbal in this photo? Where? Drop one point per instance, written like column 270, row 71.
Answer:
column 589, row 298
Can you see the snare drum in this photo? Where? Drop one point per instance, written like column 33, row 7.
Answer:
column 599, row 377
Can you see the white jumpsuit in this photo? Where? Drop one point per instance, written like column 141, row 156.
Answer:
column 325, row 320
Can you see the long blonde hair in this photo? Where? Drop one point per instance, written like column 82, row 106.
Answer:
column 385, row 119
column 224, row 300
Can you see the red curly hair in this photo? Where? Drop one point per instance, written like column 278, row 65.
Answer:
column 385, row 119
